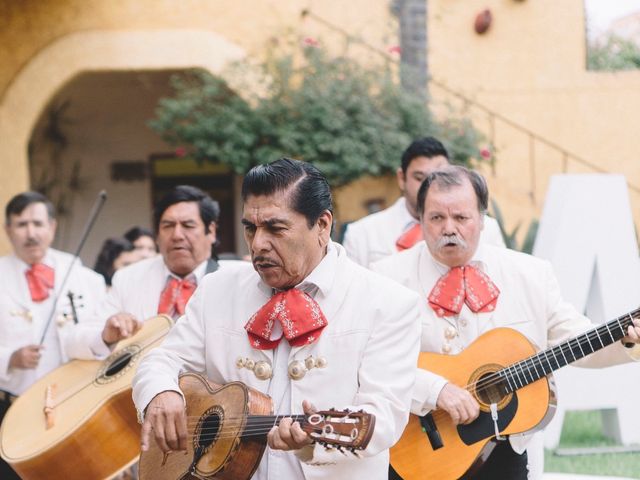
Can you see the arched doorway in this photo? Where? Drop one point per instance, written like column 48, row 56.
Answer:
column 73, row 64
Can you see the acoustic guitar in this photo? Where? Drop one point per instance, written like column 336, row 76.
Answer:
column 510, row 380
column 228, row 426
column 78, row 421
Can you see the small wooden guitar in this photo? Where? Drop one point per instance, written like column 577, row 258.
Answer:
column 78, row 421
column 512, row 383
column 228, row 428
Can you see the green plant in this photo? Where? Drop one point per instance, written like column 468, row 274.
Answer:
column 510, row 238
column 614, row 53
column 347, row 119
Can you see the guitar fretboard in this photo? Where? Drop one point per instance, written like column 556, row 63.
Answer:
column 535, row 367
column 256, row 423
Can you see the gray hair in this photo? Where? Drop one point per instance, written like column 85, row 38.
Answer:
column 454, row 175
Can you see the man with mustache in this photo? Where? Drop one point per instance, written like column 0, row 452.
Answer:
column 32, row 295
column 305, row 324
column 397, row 228
column 468, row 288
column 185, row 222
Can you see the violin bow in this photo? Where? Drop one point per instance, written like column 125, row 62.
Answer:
column 95, row 210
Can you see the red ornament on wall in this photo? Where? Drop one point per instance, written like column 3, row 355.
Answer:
column 483, row 21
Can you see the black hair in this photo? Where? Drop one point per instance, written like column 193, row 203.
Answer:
column 209, row 208
column 134, row 233
column 310, row 195
column 424, row 147
column 454, row 175
column 111, row 249
column 22, row 200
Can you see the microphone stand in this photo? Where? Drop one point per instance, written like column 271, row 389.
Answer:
column 97, row 206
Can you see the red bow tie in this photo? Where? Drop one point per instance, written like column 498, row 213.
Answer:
column 463, row 285
column 175, row 296
column 40, row 278
column 409, row 238
column 299, row 315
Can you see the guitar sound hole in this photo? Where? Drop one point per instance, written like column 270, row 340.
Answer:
column 118, row 364
column 490, row 389
column 209, row 427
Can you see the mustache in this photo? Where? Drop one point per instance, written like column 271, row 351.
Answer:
column 452, row 239
column 31, row 242
column 265, row 260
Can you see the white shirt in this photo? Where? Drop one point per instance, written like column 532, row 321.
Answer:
column 277, row 463
column 22, row 321
column 370, row 346
column 136, row 288
column 374, row 237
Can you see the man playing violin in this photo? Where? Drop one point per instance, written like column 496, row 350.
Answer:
column 305, row 324
column 40, row 318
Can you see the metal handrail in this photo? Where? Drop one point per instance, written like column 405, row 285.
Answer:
column 533, row 136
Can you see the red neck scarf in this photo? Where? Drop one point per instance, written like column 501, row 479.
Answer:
column 463, row 285
column 299, row 315
column 409, row 238
column 40, row 278
column 175, row 296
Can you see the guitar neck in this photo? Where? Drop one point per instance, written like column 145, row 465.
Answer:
column 260, row 425
column 535, row 367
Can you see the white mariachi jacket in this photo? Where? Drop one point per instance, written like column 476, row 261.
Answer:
column 374, row 237
column 136, row 288
column 369, row 349
column 22, row 322
column 530, row 301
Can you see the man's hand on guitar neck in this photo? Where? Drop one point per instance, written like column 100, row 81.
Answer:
column 458, row 403
column 288, row 435
column 634, row 333
column 166, row 417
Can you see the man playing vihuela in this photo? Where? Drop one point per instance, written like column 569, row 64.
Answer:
column 301, row 323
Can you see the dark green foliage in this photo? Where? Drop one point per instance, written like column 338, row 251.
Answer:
column 348, row 120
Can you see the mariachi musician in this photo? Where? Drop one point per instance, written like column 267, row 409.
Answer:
column 468, row 288
column 185, row 222
column 325, row 330
column 41, row 323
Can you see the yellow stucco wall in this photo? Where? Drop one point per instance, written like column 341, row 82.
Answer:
column 530, row 67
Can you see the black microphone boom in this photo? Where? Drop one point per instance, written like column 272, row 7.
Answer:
column 97, row 206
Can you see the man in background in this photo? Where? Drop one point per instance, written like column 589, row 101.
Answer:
column 398, row 228
column 40, row 318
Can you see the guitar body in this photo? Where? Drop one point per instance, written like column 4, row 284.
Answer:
column 217, row 418
column 93, row 431
column 465, row 449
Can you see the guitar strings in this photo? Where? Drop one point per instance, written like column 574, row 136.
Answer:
column 536, row 361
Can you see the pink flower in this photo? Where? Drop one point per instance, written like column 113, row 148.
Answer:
column 180, row 152
column 395, row 49
column 485, row 153
column 310, row 42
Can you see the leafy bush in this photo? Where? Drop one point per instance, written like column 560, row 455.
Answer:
column 347, row 119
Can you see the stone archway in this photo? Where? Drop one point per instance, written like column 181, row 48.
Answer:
column 55, row 65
